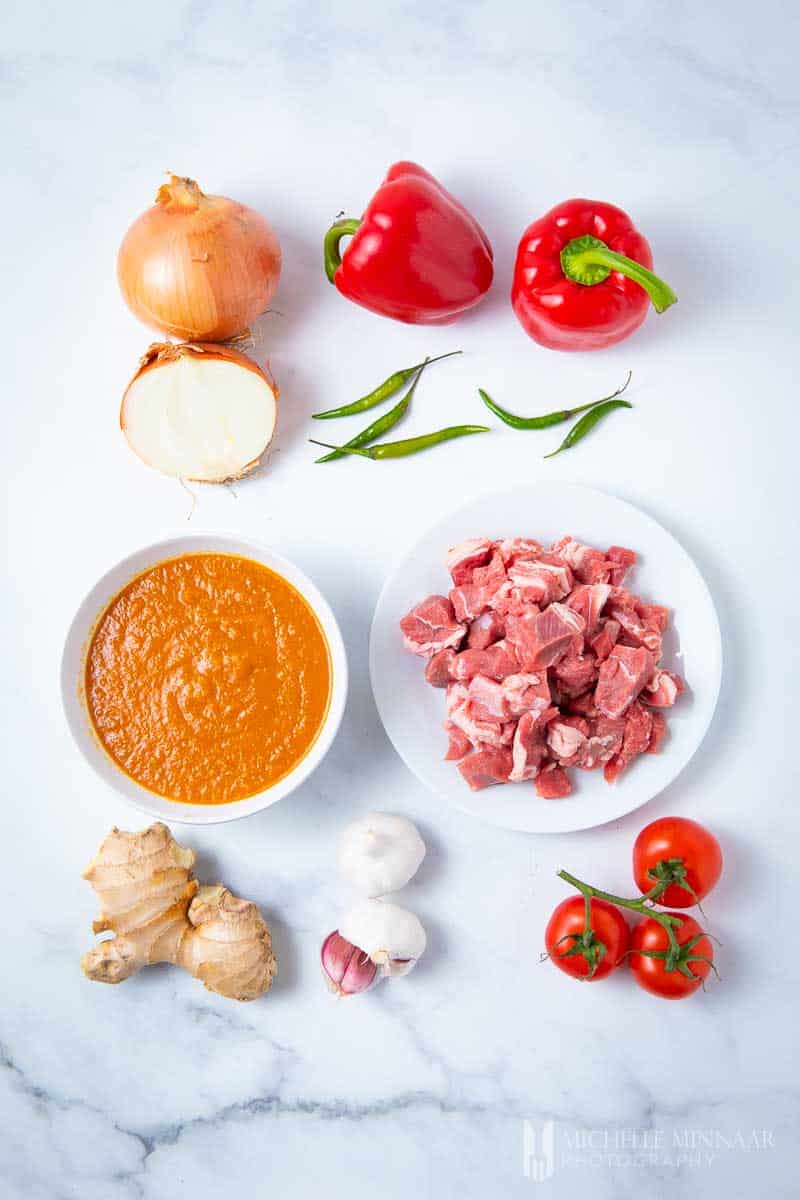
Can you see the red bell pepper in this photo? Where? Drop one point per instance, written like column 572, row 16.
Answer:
column 416, row 255
column 582, row 279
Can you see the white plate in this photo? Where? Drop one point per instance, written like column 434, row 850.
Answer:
column 73, row 673
column 412, row 711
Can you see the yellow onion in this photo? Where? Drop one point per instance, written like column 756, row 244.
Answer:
column 198, row 267
column 199, row 412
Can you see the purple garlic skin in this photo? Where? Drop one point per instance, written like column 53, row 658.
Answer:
column 348, row 970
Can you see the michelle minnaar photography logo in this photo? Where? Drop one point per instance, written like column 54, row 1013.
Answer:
column 547, row 1147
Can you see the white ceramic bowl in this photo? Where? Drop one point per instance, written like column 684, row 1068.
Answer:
column 73, row 672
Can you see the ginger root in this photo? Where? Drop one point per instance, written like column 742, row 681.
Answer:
column 158, row 913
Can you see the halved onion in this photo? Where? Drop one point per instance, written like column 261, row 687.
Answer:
column 199, row 412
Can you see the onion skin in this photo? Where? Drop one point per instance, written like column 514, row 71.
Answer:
column 196, row 267
column 159, row 353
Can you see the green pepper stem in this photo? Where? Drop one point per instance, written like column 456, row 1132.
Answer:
column 338, row 230
column 588, row 260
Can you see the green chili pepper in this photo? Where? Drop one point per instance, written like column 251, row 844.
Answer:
column 408, row 445
column 380, row 393
column 553, row 418
column 587, row 423
column 379, row 426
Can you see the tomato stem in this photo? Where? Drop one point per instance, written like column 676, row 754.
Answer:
column 638, row 905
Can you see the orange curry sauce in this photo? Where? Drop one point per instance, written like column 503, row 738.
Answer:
column 208, row 678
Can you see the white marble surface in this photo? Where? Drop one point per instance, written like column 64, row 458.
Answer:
column 686, row 116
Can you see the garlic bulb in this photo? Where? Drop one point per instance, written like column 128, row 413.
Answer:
column 380, row 852
column 392, row 936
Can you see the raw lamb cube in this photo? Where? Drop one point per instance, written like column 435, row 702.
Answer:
column 636, row 741
column 460, row 713
column 510, row 549
column 439, row 671
column 590, row 565
column 553, row 783
column 622, row 677
column 658, row 733
column 487, row 700
column 431, row 626
column 588, row 599
column 486, row 766
column 484, row 630
column 663, row 689
column 496, row 662
column 541, row 639
column 527, row 692
column 604, row 642
column 528, row 748
column 575, row 673
column 458, row 743
column 623, row 559
column 461, row 560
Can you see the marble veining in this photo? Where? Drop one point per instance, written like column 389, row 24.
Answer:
column 485, row 1069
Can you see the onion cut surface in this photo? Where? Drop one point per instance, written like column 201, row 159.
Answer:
column 199, row 412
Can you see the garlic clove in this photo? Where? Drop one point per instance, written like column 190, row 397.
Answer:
column 392, row 936
column 380, row 852
column 347, row 968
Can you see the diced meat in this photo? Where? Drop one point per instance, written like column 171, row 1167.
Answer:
column 636, row 741
column 484, row 630
column 663, row 689
column 510, row 549
column 623, row 559
column 589, row 565
column 613, row 769
column 431, row 626
column 553, row 783
column 654, row 616
column 528, row 748
column 604, row 741
column 493, row 574
column 634, row 629
column 496, row 662
column 439, row 670
column 541, row 580
column 575, row 673
column 541, row 639
column 486, row 766
column 514, row 600
column 638, row 728
column 565, row 742
column 462, row 559
column 582, row 705
column 527, row 692
column 658, row 732
column 574, row 620
column 588, row 599
column 611, row 731
column 622, row 677
column 458, row 743
column 548, row 662
column 469, row 601
column 605, row 640
column 473, row 598
column 487, row 699
column 460, row 713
